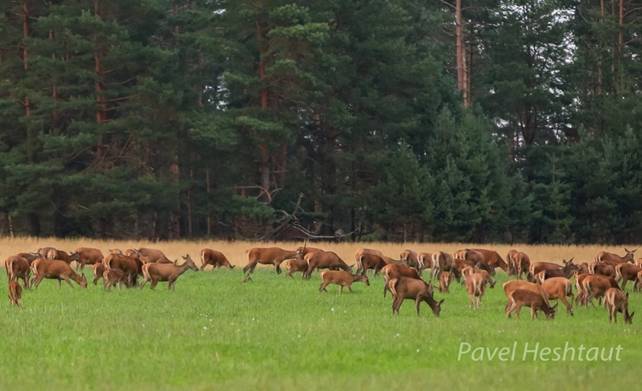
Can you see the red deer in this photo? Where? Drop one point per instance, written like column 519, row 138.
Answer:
column 552, row 269
column 267, row 256
column 513, row 285
column 523, row 297
column 30, row 257
column 410, row 288
column 17, row 267
column 595, row 286
column 155, row 272
column 366, row 258
column 303, row 251
column 15, row 293
column 582, row 295
column 131, row 266
column 410, row 258
column 55, row 270
column 98, row 270
column 442, row 261
column 445, row 278
column 149, row 255
column 325, row 260
column 341, row 278
column 87, row 256
column 559, row 288
column 43, row 251
column 614, row 259
column 296, row 265
column 60, row 255
column 475, row 287
column 625, row 272
column 492, row 258
column 215, row 258
column 488, row 279
column 519, row 262
column 617, row 301
column 112, row 277
column 394, row 270
column 603, row 269
column 425, row 260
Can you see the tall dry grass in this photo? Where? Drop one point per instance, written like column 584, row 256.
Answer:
column 236, row 251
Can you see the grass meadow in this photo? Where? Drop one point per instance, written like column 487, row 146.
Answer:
column 214, row 332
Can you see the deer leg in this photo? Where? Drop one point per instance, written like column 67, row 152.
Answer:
column 341, row 290
column 569, row 307
column 350, row 288
column 154, row 283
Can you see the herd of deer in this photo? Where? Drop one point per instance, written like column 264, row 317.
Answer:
column 475, row 268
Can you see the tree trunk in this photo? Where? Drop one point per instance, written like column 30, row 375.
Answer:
column 619, row 77
column 25, row 53
column 459, row 49
column 101, row 104
column 208, row 190
column 264, row 152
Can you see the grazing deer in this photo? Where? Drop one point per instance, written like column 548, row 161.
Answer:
column 409, row 288
column 148, row 255
column 155, row 272
column 614, row 259
column 55, row 270
column 441, row 261
column 625, row 272
column 131, row 266
column 325, row 260
column 267, row 256
column 617, row 301
column 297, row 265
column 552, row 269
column 603, row 269
column 15, row 293
column 341, row 278
column 87, row 256
column 519, row 262
column 513, row 285
column 410, row 258
column 492, row 258
column 523, row 297
column 425, row 261
column 559, row 288
column 395, row 270
column 17, row 267
column 59, row 255
column 215, row 258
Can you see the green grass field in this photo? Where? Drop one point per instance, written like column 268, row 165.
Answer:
column 274, row 333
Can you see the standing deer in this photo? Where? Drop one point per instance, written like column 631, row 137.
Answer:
column 215, row 258
column 617, row 301
column 409, row 288
column 15, row 293
column 55, row 270
column 87, row 256
column 17, row 267
column 523, row 297
column 155, row 272
column 325, row 260
column 614, row 259
column 267, row 256
column 341, row 278
column 518, row 262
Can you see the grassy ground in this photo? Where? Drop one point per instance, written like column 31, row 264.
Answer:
column 275, row 333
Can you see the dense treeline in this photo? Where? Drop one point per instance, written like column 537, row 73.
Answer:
column 493, row 120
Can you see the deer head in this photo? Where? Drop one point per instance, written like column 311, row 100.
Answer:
column 630, row 254
column 189, row 262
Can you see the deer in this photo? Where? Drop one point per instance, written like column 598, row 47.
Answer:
column 17, row 267
column 131, row 266
column 112, row 277
column 519, row 262
column 215, row 258
column 559, row 288
column 614, row 259
column 60, row 255
column 98, row 271
column 29, row 257
column 552, row 269
column 55, row 270
column 488, row 279
column 267, row 256
column 523, row 297
column 369, row 259
column 595, row 286
column 87, row 256
column 148, row 255
column 325, row 260
column 393, row 270
column 43, row 251
column 513, row 285
column 296, row 265
column 441, row 261
column 425, row 260
column 582, row 295
column 625, row 272
column 341, row 278
column 155, row 272
column 475, row 287
column 638, row 281
column 15, row 293
column 617, row 301
column 603, row 269
column 445, row 278
column 410, row 258
column 403, row 288
column 492, row 258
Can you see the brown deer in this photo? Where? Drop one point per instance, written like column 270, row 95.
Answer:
column 30, row 257
column 366, row 258
column 603, row 269
column 513, row 285
column 98, row 270
column 341, row 278
column 559, row 288
column 149, row 255
column 582, row 295
column 441, row 261
column 625, row 272
column 614, row 259
column 552, row 269
column 445, row 278
column 267, row 256
column 17, row 267
column 425, row 260
column 403, row 288
column 492, row 258
column 131, row 266
column 519, row 262
column 325, row 260
column 523, row 297
column 43, row 251
column 112, row 277
column 410, row 258
column 296, row 265
column 15, row 293
column 394, row 270
column 475, row 287
column 55, row 270
column 87, row 256
column 595, row 286
column 488, row 279
column 215, row 258
column 59, row 255
column 638, row 282
column 155, row 272
column 617, row 301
